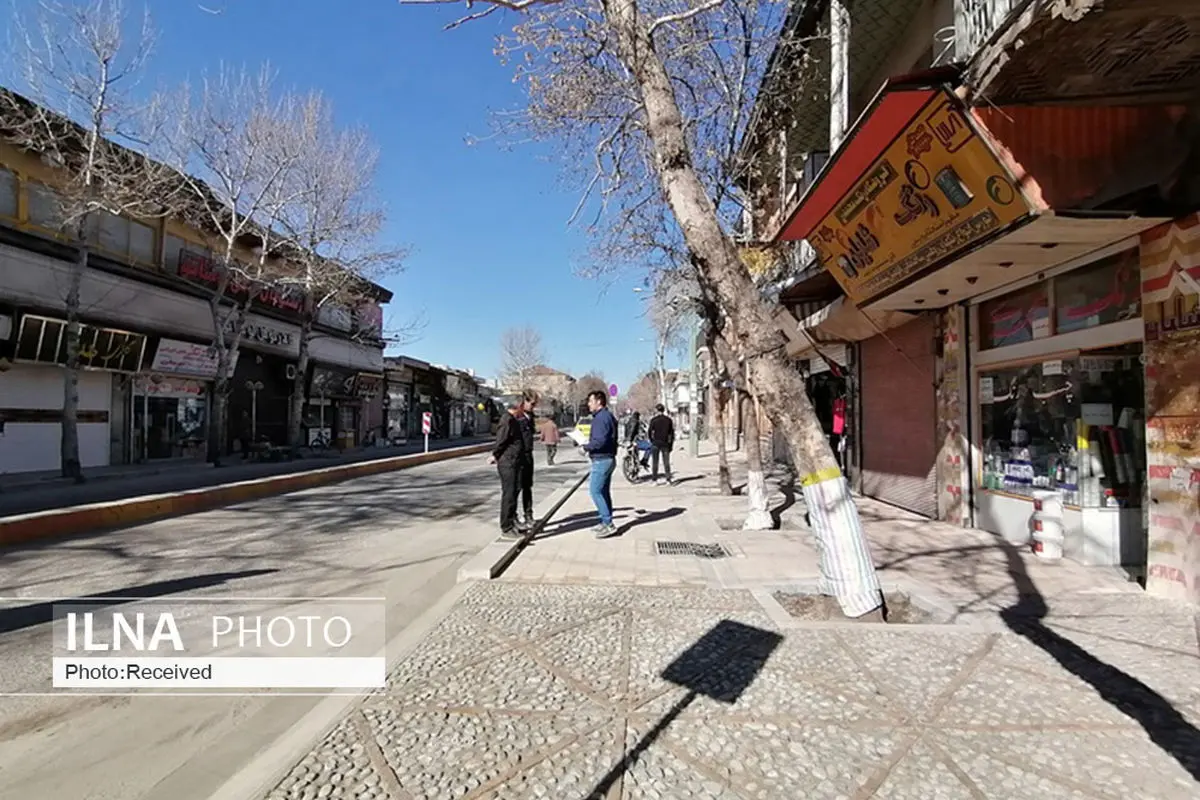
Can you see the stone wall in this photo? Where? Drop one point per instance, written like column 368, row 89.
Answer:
column 952, row 472
column 1170, row 257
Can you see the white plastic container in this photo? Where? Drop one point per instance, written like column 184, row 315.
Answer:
column 1046, row 525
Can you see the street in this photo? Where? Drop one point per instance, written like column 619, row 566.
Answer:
column 399, row 535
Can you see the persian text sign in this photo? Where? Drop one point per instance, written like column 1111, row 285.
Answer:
column 937, row 190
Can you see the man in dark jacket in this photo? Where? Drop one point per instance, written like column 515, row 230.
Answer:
column 602, row 449
column 662, row 441
column 525, row 478
column 509, row 454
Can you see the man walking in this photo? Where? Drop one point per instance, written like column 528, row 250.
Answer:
column 662, row 441
column 550, row 438
column 529, row 400
column 508, row 455
column 602, row 449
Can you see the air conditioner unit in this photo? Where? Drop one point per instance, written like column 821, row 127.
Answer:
column 290, row 371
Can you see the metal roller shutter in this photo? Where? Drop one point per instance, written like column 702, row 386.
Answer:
column 899, row 418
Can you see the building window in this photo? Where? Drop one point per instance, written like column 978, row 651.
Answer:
column 45, row 208
column 1014, row 318
column 131, row 241
column 1099, row 294
column 8, row 193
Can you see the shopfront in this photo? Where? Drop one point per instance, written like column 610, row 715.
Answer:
column 333, row 412
column 172, row 402
column 1059, row 379
column 31, row 393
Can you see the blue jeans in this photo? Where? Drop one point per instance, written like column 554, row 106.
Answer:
column 600, row 486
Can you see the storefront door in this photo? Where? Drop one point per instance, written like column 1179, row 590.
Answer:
column 899, row 418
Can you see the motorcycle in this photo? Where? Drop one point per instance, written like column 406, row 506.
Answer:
column 635, row 460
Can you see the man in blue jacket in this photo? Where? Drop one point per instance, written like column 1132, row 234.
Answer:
column 602, row 449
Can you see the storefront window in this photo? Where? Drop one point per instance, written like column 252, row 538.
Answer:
column 1102, row 293
column 1015, row 318
column 171, row 419
column 1076, row 426
column 1029, row 417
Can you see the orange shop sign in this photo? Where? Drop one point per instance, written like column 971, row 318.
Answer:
column 937, row 190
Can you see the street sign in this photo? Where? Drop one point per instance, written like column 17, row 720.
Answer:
column 612, row 390
column 426, row 423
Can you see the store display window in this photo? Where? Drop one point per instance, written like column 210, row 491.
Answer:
column 1071, row 425
column 1102, row 293
column 1022, row 316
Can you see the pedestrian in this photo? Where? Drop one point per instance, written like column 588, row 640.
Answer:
column 529, row 401
column 633, row 427
column 508, row 456
column 602, row 449
column 662, row 441
column 550, row 438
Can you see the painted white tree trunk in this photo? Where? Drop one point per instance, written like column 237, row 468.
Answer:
column 758, row 515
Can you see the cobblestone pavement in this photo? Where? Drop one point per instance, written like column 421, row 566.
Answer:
column 555, row 691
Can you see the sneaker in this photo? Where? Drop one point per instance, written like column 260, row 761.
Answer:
column 512, row 533
column 606, row 531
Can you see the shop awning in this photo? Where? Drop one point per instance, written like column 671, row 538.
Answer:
column 923, row 206
column 841, row 322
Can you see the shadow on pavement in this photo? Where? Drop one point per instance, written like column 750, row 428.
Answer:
column 21, row 617
column 1165, row 726
column 653, row 516
column 721, row 665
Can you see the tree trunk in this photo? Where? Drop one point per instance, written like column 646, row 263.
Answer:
column 70, row 464
column 299, row 397
column 227, row 350
column 847, row 568
column 723, row 478
column 758, row 516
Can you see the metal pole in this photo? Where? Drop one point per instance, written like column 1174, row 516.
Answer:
column 693, row 400
column 253, row 415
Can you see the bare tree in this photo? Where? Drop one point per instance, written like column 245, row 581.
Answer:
column 80, row 72
column 656, row 92
column 593, row 381
column 235, row 148
column 718, row 377
column 645, row 393
column 521, row 350
column 331, row 222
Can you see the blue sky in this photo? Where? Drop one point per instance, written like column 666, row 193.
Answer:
column 487, row 225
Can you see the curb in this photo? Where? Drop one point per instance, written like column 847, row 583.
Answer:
column 495, row 557
column 60, row 522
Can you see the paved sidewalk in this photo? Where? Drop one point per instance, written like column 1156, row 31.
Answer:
column 22, row 494
column 973, row 571
column 571, row 692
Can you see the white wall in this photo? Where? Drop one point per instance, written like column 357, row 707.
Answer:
column 34, row 446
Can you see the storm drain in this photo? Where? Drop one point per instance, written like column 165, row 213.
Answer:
column 692, row 549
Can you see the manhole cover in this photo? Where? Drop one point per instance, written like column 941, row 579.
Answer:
column 692, row 549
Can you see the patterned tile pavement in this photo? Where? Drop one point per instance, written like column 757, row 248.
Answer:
column 558, row 691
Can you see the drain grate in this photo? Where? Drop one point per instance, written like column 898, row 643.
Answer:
column 692, row 549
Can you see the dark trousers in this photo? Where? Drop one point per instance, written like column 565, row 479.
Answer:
column 509, row 487
column 525, row 482
column 551, row 451
column 665, row 452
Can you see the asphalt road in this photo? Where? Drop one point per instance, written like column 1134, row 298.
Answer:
column 101, row 487
column 401, row 535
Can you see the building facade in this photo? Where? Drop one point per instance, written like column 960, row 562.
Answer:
column 147, row 372
column 1000, row 253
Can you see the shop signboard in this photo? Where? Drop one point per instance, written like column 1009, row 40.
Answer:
column 938, row 190
column 158, row 386
column 331, row 382
column 186, row 358
column 44, row 340
column 368, row 385
column 201, row 269
column 259, row 332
